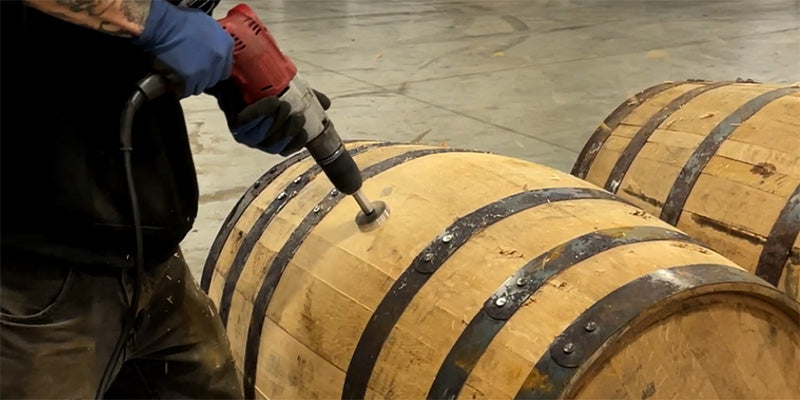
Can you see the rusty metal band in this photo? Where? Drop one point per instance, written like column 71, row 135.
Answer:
column 287, row 252
column 685, row 181
column 602, row 133
column 233, row 217
column 260, row 226
column 778, row 247
column 646, row 131
column 516, row 290
column 605, row 321
column 428, row 262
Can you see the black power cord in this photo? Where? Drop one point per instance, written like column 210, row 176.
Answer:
column 148, row 88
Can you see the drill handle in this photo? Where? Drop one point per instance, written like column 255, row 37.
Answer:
column 304, row 101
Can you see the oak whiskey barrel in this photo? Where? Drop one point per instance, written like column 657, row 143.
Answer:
column 719, row 160
column 493, row 278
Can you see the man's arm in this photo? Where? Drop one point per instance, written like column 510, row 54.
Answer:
column 117, row 17
column 188, row 41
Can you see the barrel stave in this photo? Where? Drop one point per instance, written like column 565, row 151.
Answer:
column 321, row 308
column 666, row 359
column 528, row 334
column 728, row 165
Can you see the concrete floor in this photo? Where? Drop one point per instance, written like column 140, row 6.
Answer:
column 526, row 78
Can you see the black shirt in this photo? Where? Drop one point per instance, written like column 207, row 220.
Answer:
column 63, row 191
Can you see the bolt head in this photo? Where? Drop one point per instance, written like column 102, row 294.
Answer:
column 522, row 282
column 428, row 257
column 568, row 348
column 317, row 209
column 447, row 238
column 282, row 196
column 591, row 326
column 501, row 301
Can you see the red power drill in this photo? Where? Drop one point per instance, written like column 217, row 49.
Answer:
column 261, row 70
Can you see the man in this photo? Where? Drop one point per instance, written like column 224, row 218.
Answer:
column 68, row 313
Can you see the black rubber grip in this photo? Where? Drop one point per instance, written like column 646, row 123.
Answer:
column 344, row 173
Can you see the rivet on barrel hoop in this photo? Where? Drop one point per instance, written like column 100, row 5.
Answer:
column 428, row 257
column 591, row 326
column 522, row 282
column 568, row 348
column 447, row 238
column 317, row 209
column 298, row 179
column 334, row 192
column 282, row 196
column 501, row 301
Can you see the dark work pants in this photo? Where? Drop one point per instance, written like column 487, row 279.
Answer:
column 59, row 325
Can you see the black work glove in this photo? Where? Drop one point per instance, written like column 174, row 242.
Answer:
column 267, row 124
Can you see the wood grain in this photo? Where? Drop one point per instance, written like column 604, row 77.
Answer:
column 339, row 275
column 740, row 192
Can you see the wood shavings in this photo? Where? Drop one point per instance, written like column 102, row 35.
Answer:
column 641, row 213
column 509, row 252
column 706, row 115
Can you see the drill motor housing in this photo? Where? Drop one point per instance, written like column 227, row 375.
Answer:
column 260, row 69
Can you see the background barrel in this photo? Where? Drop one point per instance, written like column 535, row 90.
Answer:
column 719, row 160
column 493, row 278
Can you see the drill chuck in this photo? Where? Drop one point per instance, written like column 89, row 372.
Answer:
column 337, row 163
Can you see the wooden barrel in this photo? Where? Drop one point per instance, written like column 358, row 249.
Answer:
column 719, row 160
column 493, row 278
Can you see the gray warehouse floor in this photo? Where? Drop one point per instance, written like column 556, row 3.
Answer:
column 526, row 78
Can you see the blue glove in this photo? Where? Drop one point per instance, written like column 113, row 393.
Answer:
column 190, row 42
column 268, row 124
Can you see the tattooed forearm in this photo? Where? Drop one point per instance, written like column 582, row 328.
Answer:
column 91, row 7
column 116, row 17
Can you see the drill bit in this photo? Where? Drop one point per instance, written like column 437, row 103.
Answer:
column 372, row 214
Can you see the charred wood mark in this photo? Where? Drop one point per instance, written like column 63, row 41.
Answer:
column 764, row 169
column 643, row 197
column 729, row 230
column 649, row 391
